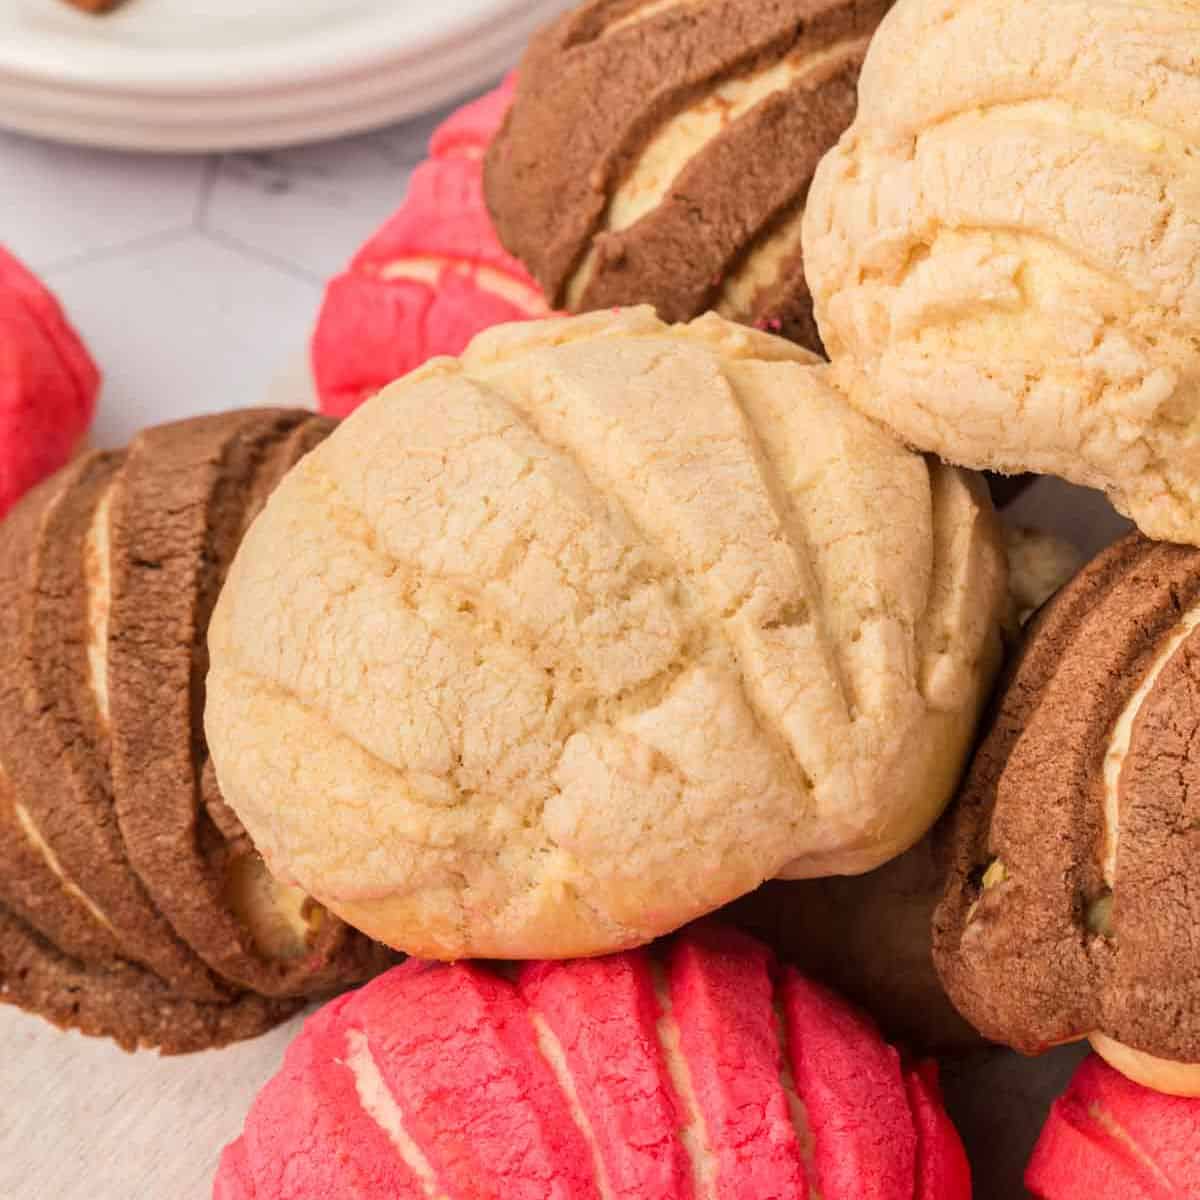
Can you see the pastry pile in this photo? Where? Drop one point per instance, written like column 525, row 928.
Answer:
column 132, row 904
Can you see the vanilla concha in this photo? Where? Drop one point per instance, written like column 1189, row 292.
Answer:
column 1004, row 248
column 552, row 648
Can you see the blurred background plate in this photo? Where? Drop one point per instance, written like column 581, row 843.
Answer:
column 201, row 75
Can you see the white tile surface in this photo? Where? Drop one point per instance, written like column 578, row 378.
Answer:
column 314, row 206
column 57, row 204
column 184, row 326
column 94, row 1123
column 196, row 280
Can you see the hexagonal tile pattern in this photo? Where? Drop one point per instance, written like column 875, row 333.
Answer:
column 58, row 204
column 182, row 327
column 315, row 205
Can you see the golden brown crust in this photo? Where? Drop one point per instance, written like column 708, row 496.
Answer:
column 969, row 299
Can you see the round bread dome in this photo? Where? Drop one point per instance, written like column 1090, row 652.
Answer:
column 552, row 648
column 1004, row 249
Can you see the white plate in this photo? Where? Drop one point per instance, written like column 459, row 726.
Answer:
column 192, row 75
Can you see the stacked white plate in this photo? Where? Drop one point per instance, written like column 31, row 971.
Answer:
column 192, row 75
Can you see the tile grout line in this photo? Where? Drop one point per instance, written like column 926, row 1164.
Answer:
column 204, row 194
column 263, row 257
column 84, row 258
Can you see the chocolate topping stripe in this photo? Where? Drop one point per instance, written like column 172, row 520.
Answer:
column 670, row 146
column 1073, row 907
column 125, row 881
column 1123, row 738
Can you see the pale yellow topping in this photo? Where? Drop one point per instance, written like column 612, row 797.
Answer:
column 1160, row 1074
column 97, row 572
column 432, row 271
column 273, row 912
column 554, row 647
column 1004, row 249
column 380, row 1104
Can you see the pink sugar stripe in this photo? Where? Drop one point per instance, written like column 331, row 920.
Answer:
column 479, row 1100
column 307, row 1136
column 723, row 1000
column 850, row 1083
column 603, row 1012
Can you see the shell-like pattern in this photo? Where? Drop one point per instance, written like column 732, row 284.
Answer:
column 552, row 648
column 1004, row 249
column 705, row 1073
column 1073, row 906
column 661, row 152
column 131, row 902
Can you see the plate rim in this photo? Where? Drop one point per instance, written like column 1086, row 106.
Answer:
column 362, row 48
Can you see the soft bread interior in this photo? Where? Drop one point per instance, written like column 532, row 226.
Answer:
column 276, row 915
column 1159, row 1074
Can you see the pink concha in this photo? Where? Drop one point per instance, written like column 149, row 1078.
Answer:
column 430, row 279
column 1108, row 1138
column 48, row 383
column 468, row 131
column 313, row 1133
column 942, row 1167
column 704, row 1074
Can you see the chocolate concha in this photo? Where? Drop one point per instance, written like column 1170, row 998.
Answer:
column 661, row 153
column 121, row 1000
column 66, row 871
column 1073, row 907
column 124, row 875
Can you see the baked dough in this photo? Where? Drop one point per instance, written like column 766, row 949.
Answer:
column 1070, row 908
column 1004, row 249
column 660, row 152
column 550, row 649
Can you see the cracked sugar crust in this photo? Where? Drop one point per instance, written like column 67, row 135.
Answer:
column 1004, row 249
column 552, row 648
